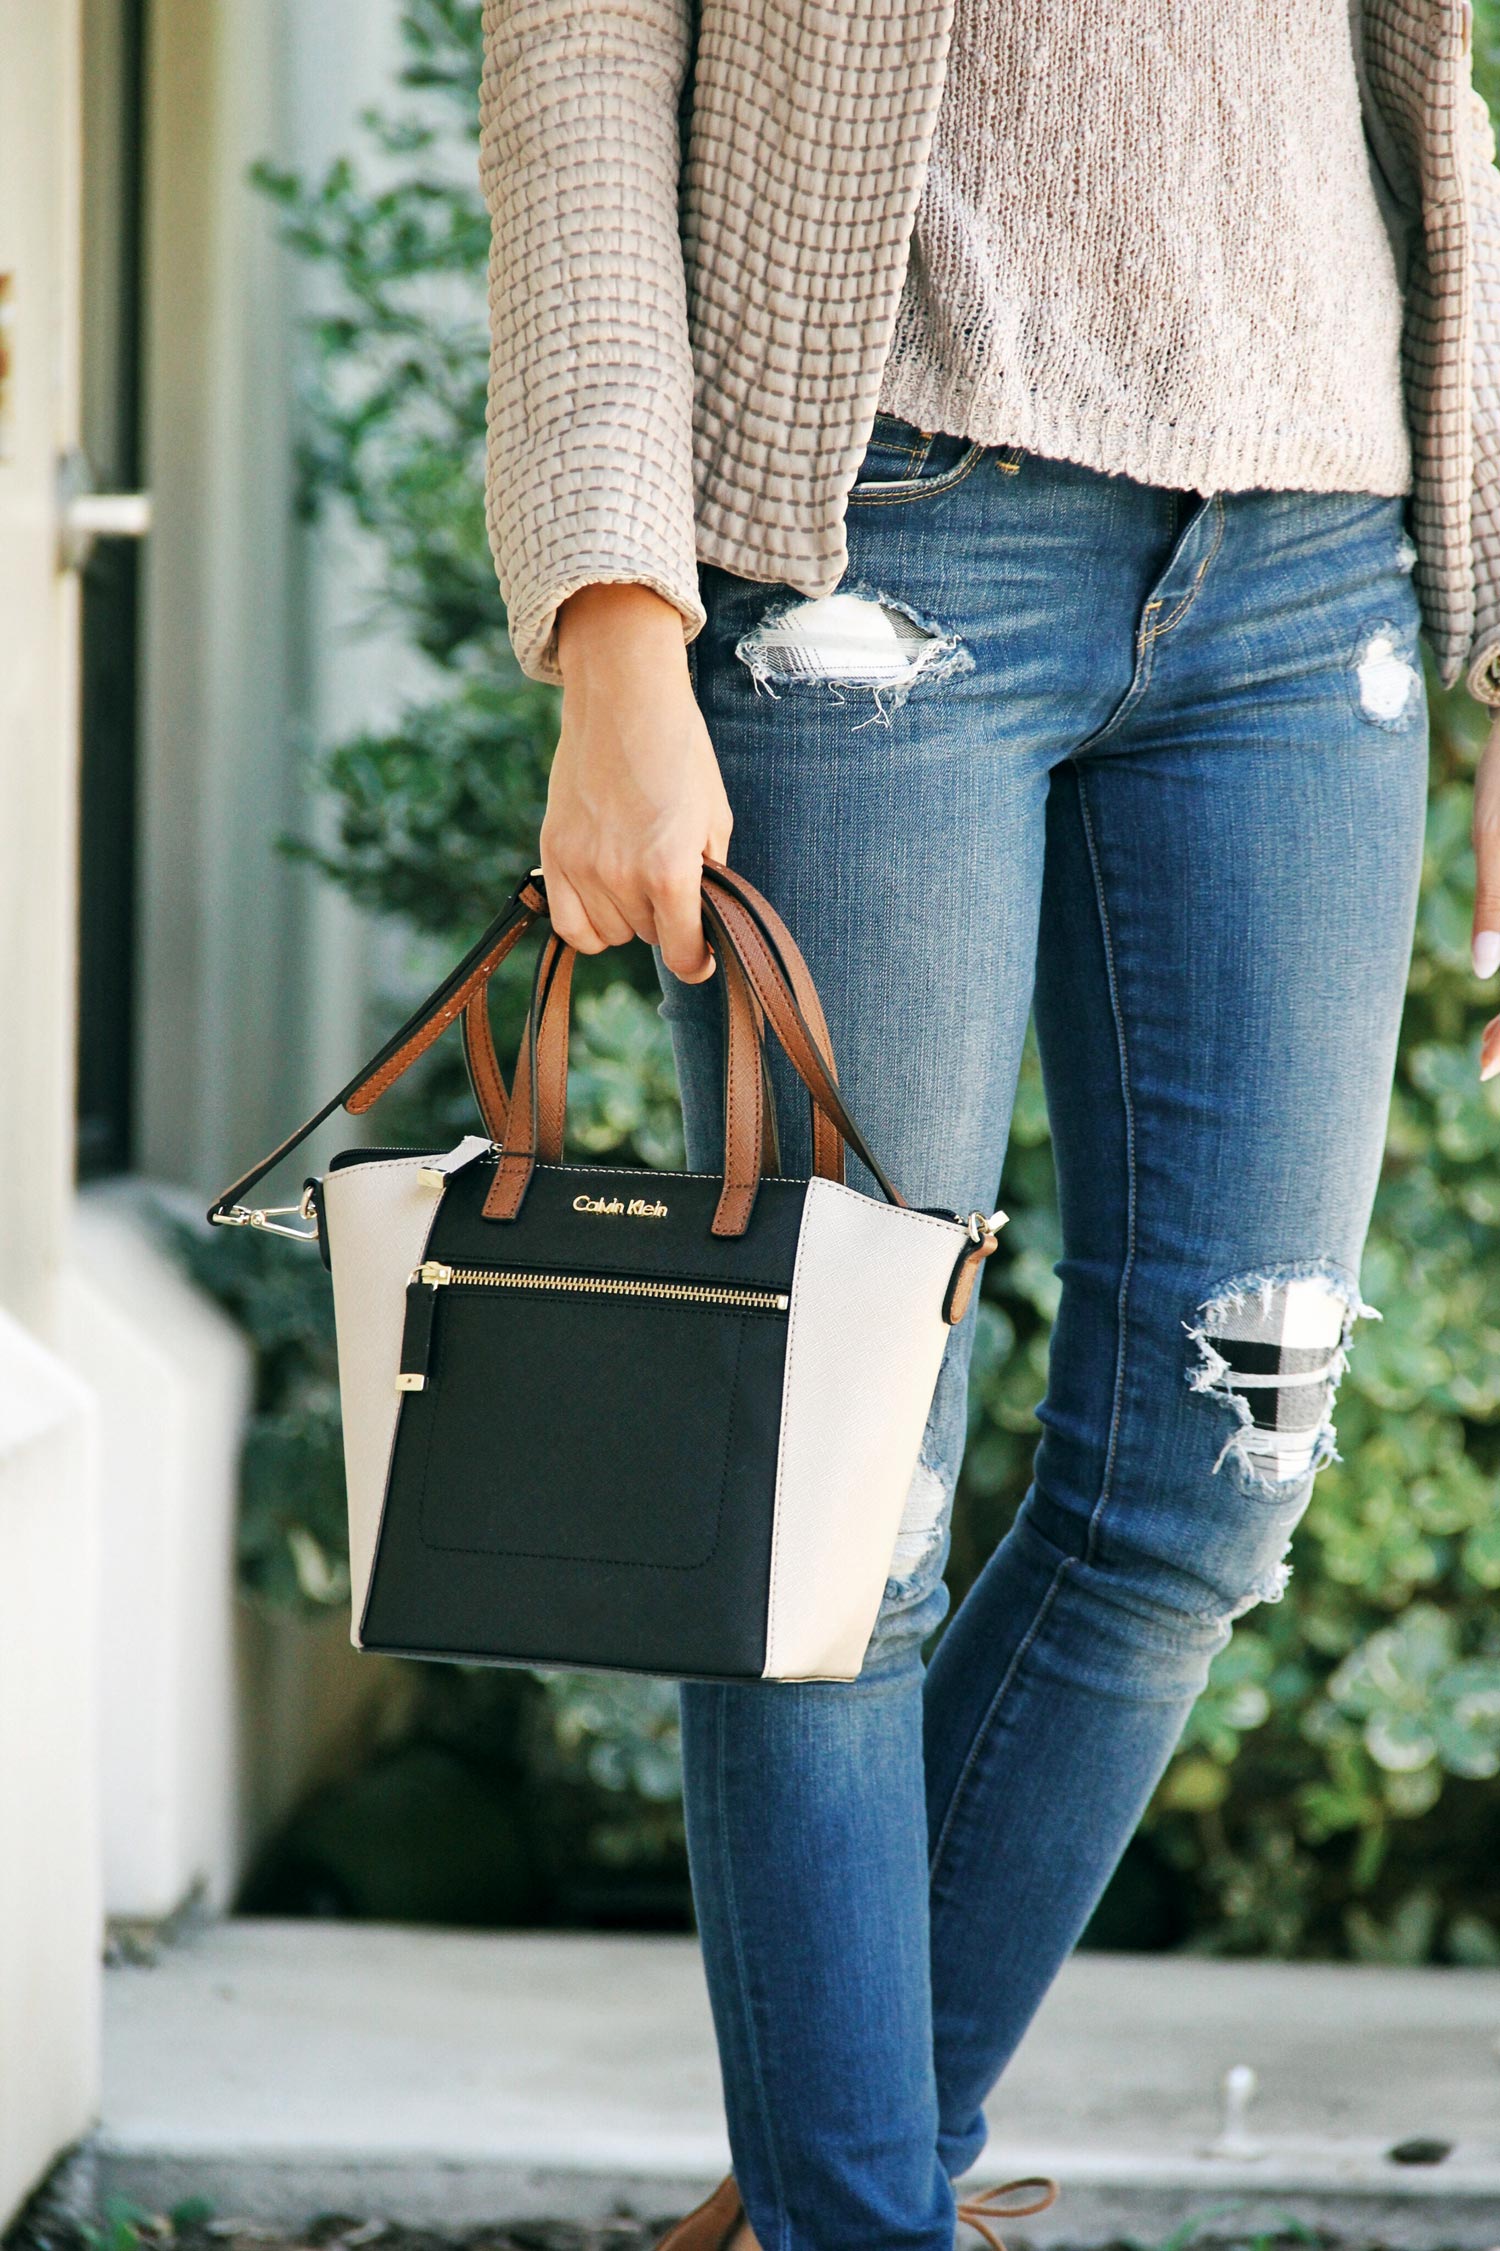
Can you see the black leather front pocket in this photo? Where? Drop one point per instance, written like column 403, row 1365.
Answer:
column 580, row 1429
column 585, row 1462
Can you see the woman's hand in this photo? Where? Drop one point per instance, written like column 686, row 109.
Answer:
column 635, row 801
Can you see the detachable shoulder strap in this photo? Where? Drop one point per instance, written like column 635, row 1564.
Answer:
column 525, row 905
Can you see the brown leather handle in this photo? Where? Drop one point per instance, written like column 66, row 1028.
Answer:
column 488, row 1080
column 538, row 1102
column 805, row 1042
column 765, row 980
column 485, row 1074
column 751, row 1142
column 780, row 979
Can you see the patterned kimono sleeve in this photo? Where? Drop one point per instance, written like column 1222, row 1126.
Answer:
column 1484, row 654
column 590, row 460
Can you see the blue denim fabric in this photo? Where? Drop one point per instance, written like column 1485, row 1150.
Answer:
column 1163, row 781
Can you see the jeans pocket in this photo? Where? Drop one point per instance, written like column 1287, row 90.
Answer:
column 902, row 462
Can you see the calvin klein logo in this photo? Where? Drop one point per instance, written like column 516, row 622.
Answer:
column 611, row 1207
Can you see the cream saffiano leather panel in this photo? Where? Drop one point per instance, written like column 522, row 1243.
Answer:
column 379, row 1218
column 858, row 1385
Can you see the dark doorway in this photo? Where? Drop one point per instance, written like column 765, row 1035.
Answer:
column 115, row 32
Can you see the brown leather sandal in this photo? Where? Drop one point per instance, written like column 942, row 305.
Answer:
column 1002, row 2202
column 713, row 2224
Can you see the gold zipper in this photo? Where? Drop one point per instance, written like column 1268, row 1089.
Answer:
column 437, row 1277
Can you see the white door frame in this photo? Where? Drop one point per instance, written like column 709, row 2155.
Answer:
column 49, row 1863
column 39, row 250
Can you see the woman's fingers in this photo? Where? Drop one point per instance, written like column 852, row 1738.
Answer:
column 677, row 906
column 1486, row 931
column 567, row 913
column 664, row 907
column 593, row 911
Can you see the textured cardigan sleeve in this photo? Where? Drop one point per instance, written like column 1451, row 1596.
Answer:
column 590, row 460
column 1484, row 656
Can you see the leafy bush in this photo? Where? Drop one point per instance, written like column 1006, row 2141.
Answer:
column 1335, row 1790
column 293, row 1530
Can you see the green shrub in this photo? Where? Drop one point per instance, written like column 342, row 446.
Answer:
column 1335, row 1790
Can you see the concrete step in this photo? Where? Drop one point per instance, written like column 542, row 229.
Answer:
column 451, row 2079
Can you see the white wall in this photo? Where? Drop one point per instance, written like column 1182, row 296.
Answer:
column 49, row 1867
column 171, row 1374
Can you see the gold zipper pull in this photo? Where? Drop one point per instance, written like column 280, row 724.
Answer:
column 416, row 1329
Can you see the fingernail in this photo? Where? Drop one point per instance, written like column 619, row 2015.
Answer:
column 1486, row 952
column 1488, row 1070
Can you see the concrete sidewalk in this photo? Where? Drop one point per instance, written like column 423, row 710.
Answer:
column 282, row 2069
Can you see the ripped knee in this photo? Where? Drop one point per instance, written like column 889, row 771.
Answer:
column 921, row 1528
column 915, row 1600
column 1268, row 1348
column 858, row 642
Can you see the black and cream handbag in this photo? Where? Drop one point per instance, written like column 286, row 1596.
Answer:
column 594, row 1416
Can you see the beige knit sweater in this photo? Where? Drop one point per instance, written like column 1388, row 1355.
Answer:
column 702, row 211
column 1149, row 241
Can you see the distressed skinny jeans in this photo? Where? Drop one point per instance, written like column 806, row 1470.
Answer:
column 1152, row 766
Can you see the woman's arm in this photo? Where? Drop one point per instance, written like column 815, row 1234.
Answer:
column 590, row 484
column 1483, row 669
column 591, row 384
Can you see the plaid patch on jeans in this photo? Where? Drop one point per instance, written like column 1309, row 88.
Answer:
column 1281, row 1350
